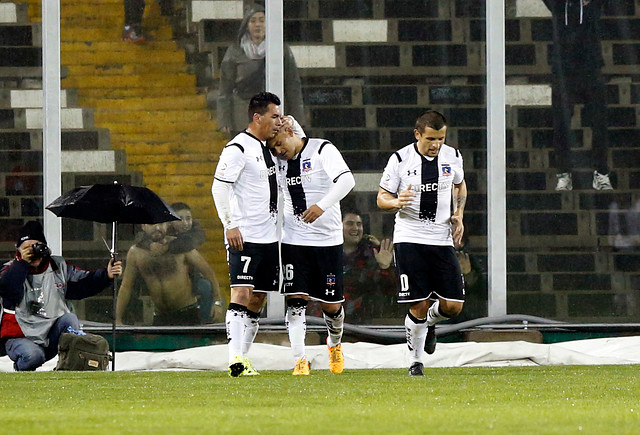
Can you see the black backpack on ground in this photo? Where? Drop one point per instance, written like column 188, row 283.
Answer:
column 87, row 352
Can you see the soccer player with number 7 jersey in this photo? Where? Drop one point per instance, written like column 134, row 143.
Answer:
column 245, row 192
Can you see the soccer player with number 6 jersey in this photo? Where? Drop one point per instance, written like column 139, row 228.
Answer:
column 423, row 184
column 313, row 177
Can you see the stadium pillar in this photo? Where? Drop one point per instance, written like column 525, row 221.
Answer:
column 496, row 157
column 275, row 83
column 51, row 142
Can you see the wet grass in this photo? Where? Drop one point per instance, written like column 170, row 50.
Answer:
column 505, row 400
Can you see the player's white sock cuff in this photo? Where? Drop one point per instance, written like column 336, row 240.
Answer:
column 335, row 326
column 434, row 315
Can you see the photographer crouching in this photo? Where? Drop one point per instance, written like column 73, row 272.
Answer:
column 35, row 287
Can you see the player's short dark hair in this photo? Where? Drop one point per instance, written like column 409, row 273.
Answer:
column 431, row 119
column 177, row 206
column 259, row 103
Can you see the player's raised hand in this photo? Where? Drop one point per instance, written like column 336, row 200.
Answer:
column 384, row 255
column 405, row 197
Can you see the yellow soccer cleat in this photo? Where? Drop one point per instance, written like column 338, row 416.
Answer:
column 236, row 367
column 336, row 359
column 302, row 368
column 248, row 368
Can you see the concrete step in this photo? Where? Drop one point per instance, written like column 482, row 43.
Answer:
column 178, row 136
column 14, row 13
column 184, row 102
column 167, row 127
column 115, row 46
column 26, row 98
column 119, row 57
column 80, row 34
column 134, row 92
column 144, row 148
column 151, row 116
column 192, row 158
column 91, row 10
column 197, row 180
column 71, row 139
column 114, row 20
column 127, row 69
column 12, row 35
column 169, row 168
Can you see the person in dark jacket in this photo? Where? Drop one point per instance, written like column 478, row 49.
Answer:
column 35, row 287
column 242, row 75
column 133, row 13
column 576, row 61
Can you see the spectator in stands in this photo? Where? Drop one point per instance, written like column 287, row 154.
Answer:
column 34, row 288
column 242, row 75
column 576, row 62
column 133, row 12
column 368, row 272
column 166, row 275
column 624, row 226
column 188, row 236
column 475, row 283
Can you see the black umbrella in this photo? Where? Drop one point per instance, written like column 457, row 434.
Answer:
column 108, row 203
column 113, row 203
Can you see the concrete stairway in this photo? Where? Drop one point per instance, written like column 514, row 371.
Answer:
column 146, row 97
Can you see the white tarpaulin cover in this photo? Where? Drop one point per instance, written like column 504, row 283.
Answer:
column 621, row 350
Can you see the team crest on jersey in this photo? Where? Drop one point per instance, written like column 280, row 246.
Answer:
column 306, row 165
column 446, row 170
column 331, row 280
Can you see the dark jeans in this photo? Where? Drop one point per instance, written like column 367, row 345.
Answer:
column 134, row 10
column 28, row 356
column 203, row 289
column 185, row 316
column 568, row 90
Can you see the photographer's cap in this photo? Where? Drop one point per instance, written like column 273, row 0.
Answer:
column 32, row 230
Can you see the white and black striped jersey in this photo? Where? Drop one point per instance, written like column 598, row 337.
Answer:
column 305, row 180
column 247, row 163
column 427, row 219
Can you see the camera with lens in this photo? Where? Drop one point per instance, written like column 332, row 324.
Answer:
column 40, row 250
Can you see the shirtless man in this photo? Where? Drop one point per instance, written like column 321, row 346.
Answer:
column 166, row 276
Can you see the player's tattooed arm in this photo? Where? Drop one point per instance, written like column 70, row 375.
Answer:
column 460, row 200
column 460, row 197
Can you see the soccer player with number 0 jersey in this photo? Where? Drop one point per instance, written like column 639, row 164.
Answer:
column 423, row 184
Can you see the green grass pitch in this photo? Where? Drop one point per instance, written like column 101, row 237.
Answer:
column 501, row 400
